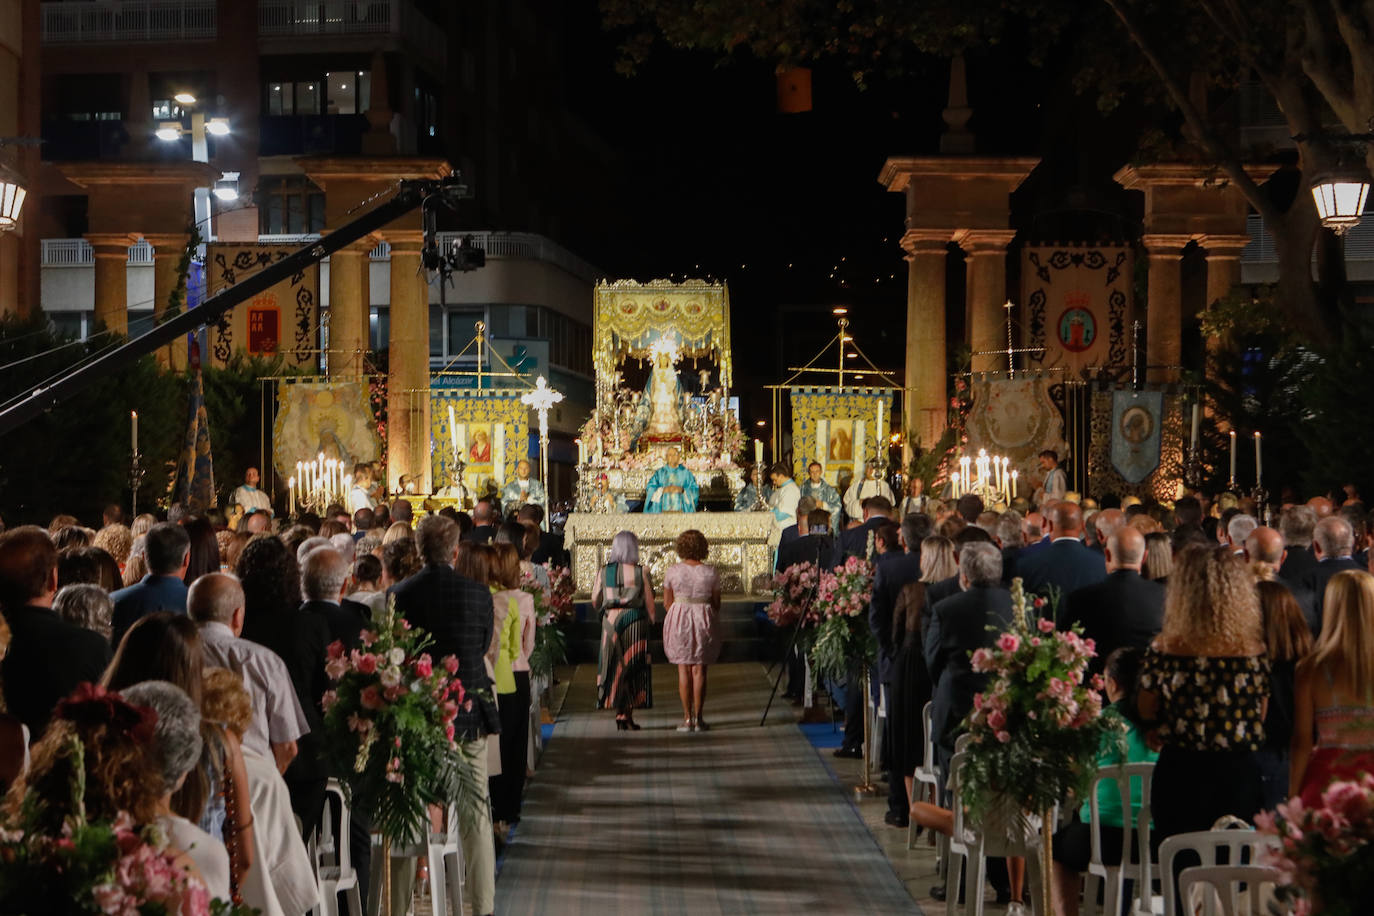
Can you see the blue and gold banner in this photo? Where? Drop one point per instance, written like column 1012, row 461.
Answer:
column 1137, row 418
column 839, row 427
column 489, row 430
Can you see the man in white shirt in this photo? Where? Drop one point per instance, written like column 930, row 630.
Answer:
column 249, row 496
column 358, row 496
column 859, row 490
column 1056, row 483
column 215, row 603
column 784, row 498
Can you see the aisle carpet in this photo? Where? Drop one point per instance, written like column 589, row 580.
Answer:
column 739, row 819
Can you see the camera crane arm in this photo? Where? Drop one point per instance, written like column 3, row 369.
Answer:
column 410, row 194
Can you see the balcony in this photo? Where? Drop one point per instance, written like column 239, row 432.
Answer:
column 128, row 21
column 297, row 19
column 78, row 253
column 305, row 135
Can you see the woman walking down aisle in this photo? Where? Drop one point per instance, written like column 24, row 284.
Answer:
column 624, row 594
column 691, row 637
column 1333, row 690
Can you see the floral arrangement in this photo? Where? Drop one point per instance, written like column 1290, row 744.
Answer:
column 843, row 636
column 109, row 867
column 552, row 606
column 1326, row 853
column 1036, row 730
column 388, row 724
column 791, row 587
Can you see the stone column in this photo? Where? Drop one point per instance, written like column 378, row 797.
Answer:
column 1223, row 264
column 987, row 293
column 168, row 249
column 111, row 279
column 1164, row 314
column 349, row 304
column 926, row 374
column 408, row 382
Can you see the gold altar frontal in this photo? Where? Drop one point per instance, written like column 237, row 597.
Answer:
column 739, row 544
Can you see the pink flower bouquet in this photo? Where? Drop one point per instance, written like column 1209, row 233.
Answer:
column 1326, row 853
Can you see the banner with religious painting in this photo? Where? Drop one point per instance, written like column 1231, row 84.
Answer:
column 1077, row 306
column 330, row 418
column 489, row 431
column 1017, row 418
column 283, row 320
column 839, row 427
column 1136, row 427
column 1149, row 423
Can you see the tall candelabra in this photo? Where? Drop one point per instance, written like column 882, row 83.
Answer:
column 318, row 484
column 136, row 473
column 990, row 477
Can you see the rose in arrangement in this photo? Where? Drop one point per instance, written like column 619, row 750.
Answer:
column 553, row 606
column 1326, row 853
column 843, row 638
column 389, row 724
column 792, row 590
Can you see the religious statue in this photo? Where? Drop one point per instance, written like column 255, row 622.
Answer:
column 660, row 413
column 673, row 488
column 523, row 489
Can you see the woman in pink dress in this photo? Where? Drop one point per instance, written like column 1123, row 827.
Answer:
column 1332, row 692
column 691, row 629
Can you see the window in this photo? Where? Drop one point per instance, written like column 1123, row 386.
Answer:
column 436, row 331
column 461, row 329
column 379, row 328
column 348, row 91
column 290, row 206
column 308, row 98
column 281, row 98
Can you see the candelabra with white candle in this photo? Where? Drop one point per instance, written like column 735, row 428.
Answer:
column 318, row 484
column 989, row 477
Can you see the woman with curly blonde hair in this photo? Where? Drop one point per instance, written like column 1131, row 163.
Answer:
column 117, row 541
column 1204, row 694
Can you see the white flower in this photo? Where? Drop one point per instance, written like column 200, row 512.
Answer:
column 397, row 655
column 390, row 677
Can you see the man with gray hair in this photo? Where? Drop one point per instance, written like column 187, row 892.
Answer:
column 176, row 744
column 215, row 603
column 959, row 625
column 309, row 544
column 1125, row 609
column 324, row 578
column 1238, row 529
column 1107, row 523
column 1297, row 524
column 1333, row 544
column 1264, row 547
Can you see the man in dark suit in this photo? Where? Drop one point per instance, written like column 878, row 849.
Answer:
column 1065, row 564
column 168, row 551
column 1265, row 546
column 1297, row 525
column 457, row 612
column 484, row 520
column 896, row 566
column 47, row 657
column 854, row 542
column 1333, row 544
column 550, row 549
column 960, row 624
column 795, row 532
column 1125, row 609
column 324, row 575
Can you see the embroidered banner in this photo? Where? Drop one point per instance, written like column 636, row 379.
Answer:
column 490, row 432
column 1136, row 426
column 333, row 418
column 1077, row 306
column 839, row 427
column 283, row 319
column 1017, row 418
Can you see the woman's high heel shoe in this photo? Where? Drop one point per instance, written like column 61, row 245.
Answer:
column 621, row 725
column 632, row 725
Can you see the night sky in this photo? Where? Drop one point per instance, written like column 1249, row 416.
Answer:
column 711, row 174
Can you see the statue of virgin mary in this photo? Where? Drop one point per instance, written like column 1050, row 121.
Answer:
column 659, row 415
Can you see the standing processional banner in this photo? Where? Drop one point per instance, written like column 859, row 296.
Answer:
column 1016, row 417
column 283, row 320
column 489, row 430
column 1077, row 306
column 333, row 419
column 840, row 428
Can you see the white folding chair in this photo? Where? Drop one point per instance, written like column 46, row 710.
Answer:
column 964, row 847
column 1207, row 844
column 333, row 860
column 446, row 867
column 926, row 782
column 1221, row 884
column 1135, row 864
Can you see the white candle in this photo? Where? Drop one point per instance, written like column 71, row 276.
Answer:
column 1233, row 456
column 1014, row 475
column 291, row 495
column 1196, row 419
column 1005, row 462
column 133, row 430
column 452, row 430
column 881, row 433
column 1259, row 472
column 581, row 452
column 954, row 483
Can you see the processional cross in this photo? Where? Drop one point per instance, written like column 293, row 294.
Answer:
column 542, row 398
column 1011, row 350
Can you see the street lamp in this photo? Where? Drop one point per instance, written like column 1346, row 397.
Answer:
column 12, row 196
column 227, row 187
column 1340, row 200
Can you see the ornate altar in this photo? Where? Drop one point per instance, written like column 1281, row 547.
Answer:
column 739, row 544
column 680, row 333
